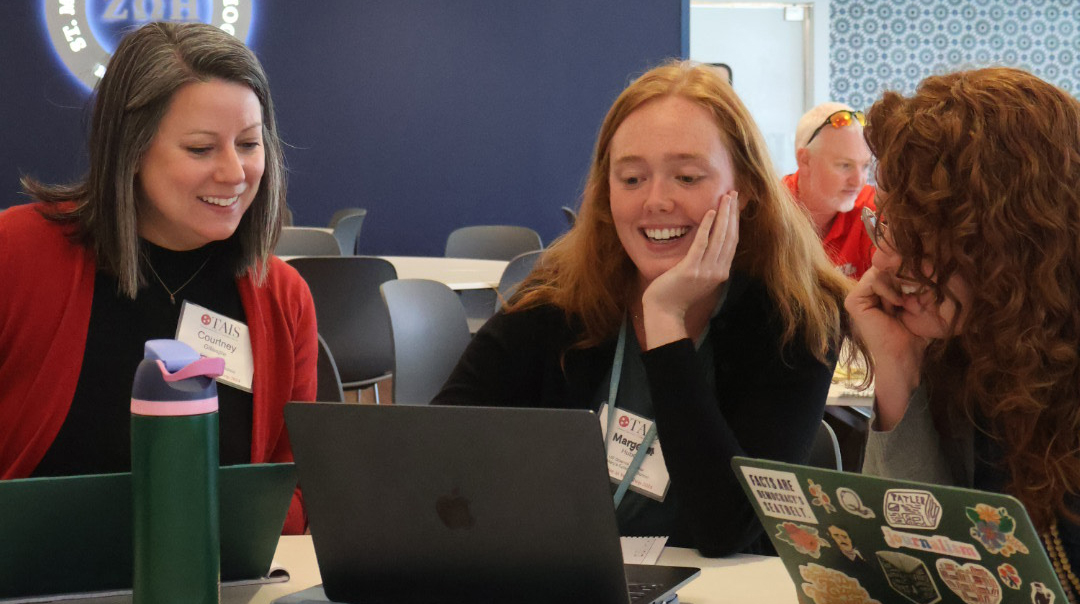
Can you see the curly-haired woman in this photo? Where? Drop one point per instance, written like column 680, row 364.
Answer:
column 691, row 293
column 970, row 310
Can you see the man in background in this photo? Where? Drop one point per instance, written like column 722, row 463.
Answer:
column 834, row 164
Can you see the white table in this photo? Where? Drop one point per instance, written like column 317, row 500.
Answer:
column 738, row 579
column 843, row 395
column 457, row 273
column 733, row 580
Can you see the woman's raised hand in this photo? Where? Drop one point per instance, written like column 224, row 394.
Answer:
column 875, row 306
column 696, row 278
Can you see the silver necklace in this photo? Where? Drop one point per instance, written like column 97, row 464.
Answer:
column 172, row 293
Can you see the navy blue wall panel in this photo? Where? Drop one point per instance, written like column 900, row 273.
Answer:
column 432, row 114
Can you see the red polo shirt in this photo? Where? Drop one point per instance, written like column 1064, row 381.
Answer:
column 847, row 243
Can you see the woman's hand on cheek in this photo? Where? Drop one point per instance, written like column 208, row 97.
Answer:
column 875, row 306
column 695, row 278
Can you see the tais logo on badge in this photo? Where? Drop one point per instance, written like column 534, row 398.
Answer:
column 453, row 510
column 222, row 326
column 215, row 335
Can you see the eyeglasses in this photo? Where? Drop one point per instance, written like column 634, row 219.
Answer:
column 840, row 119
column 874, row 228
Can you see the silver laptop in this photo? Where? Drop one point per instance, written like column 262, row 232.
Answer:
column 463, row 504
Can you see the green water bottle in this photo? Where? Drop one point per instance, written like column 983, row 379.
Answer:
column 174, row 476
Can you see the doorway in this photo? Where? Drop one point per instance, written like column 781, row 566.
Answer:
column 769, row 47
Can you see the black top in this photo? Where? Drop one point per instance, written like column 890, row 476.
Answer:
column 640, row 514
column 765, row 402
column 95, row 436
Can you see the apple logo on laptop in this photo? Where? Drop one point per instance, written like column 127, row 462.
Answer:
column 453, row 510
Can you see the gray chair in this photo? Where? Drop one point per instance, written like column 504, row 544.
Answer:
column 352, row 316
column 570, row 215
column 492, row 242
column 306, row 241
column 346, row 224
column 488, row 242
column 429, row 330
column 825, row 452
column 329, row 389
column 514, row 273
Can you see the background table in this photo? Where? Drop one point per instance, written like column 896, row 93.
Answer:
column 733, row 580
column 457, row 273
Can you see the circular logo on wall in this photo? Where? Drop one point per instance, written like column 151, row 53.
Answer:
column 85, row 33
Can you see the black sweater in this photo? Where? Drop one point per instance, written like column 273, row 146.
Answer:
column 768, row 401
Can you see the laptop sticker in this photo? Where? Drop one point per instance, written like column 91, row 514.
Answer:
column 820, row 497
column 779, row 494
column 911, row 508
column 804, row 539
column 825, row 586
column 852, row 503
column 909, row 577
column 1009, row 576
column 939, row 544
column 1040, row 594
column 971, row 583
column 993, row 528
column 843, row 543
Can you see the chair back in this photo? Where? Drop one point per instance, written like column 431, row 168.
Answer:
column 492, row 242
column 352, row 317
column 342, row 213
column 570, row 215
column 429, row 330
column 514, row 273
column 306, row 241
column 346, row 225
column 825, row 452
column 329, row 389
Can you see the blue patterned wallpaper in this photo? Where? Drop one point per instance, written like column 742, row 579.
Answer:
column 878, row 45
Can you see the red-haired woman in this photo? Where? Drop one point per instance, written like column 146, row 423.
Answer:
column 970, row 308
column 692, row 293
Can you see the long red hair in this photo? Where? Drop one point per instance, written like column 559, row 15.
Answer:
column 589, row 275
column 979, row 176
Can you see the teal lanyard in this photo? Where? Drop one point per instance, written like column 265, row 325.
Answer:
column 650, row 436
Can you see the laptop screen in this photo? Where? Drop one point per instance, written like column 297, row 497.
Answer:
column 415, row 503
column 73, row 534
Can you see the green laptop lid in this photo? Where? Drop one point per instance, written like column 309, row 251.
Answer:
column 72, row 534
column 856, row 539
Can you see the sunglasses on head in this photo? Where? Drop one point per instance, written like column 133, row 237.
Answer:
column 839, row 119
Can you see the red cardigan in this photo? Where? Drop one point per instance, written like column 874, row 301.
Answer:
column 46, row 289
column 848, row 245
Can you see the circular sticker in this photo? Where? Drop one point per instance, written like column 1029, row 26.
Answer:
column 84, row 33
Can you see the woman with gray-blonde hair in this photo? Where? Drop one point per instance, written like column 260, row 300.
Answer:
column 173, row 224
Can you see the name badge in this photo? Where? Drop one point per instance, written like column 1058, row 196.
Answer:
column 214, row 335
column 622, row 444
